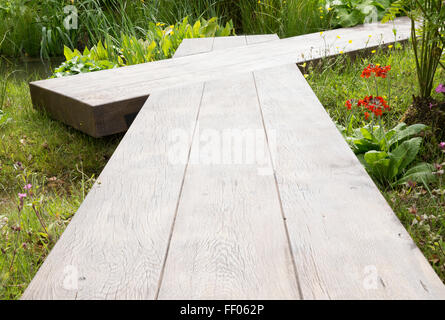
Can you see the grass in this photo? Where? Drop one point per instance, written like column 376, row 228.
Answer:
column 337, row 80
column 61, row 165
column 35, row 28
column 420, row 209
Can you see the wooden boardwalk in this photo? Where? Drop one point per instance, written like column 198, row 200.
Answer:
column 303, row 220
column 105, row 102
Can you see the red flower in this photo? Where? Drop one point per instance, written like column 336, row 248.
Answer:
column 366, row 115
column 366, row 73
column 376, row 69
column 376, row 105
column 348, row 104
column 378, row 112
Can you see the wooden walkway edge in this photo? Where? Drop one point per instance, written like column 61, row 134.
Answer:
column 193, row 226
column 105, row 102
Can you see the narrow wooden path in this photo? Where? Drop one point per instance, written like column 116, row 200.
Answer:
column 170, row 218
column 105, row 102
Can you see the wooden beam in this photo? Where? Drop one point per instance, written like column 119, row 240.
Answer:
column 158, row 225
column 229, row 239
column 346, row 240
column 105, row 102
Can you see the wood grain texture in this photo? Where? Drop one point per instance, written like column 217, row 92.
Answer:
column 229, row 239
column 346, row 240
column 118, row 88
column 118, row 238
column 115, row 246
column 169, row 225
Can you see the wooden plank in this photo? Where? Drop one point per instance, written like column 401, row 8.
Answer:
column 156, row 228
column 116, row 243
column 121, row 91
column 194, row 46
column 115, row 246
column 229, row 240
column 346, row 240
column 114, row 117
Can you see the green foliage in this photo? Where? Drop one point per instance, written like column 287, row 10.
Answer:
column 81, row 63
column 427, row 35
column 59, row 162
column 161, row 43
column 36, row 28
column 348, row 13
column 4, row 120
column 387, row 155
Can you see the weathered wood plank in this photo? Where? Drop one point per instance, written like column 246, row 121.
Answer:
column 194, row 46
column 115, row 246
column 121, row 91
column 229, row 240
column 154, row 226
column 346, row 240
column 106, row 119
column 118, row 238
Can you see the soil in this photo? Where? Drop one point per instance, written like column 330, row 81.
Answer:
column 429, row 112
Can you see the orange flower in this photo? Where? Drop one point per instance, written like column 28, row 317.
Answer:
column 366, row 115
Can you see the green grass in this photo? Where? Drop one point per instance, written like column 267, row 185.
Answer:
column 338, row 80
column 61, row 165
column 35, row 28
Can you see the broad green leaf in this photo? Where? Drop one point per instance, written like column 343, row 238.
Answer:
column 166, row 45
column 407, row 132
column 367, row 134
column 423, row 172
column 374, row 156
column 364, row 145
column 68, row 53
column 404, row 154
column 381, row 170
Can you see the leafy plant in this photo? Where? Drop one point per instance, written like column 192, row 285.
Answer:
column 387, row 155
column 427, row 35
column 161, row 43
column 348, row 13
column 374, row 106
column 77, row 62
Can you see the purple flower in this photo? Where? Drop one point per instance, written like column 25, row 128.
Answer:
column 22, row 195
column 28, row 186
column 440, row 88
column 411, row 184
column 442, row 145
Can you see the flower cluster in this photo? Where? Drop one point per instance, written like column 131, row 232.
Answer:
column 27, row 187
column 377, row 70
column 440, row 88
column 375, row 105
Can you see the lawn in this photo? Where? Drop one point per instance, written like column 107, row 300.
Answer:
column 59, row 162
